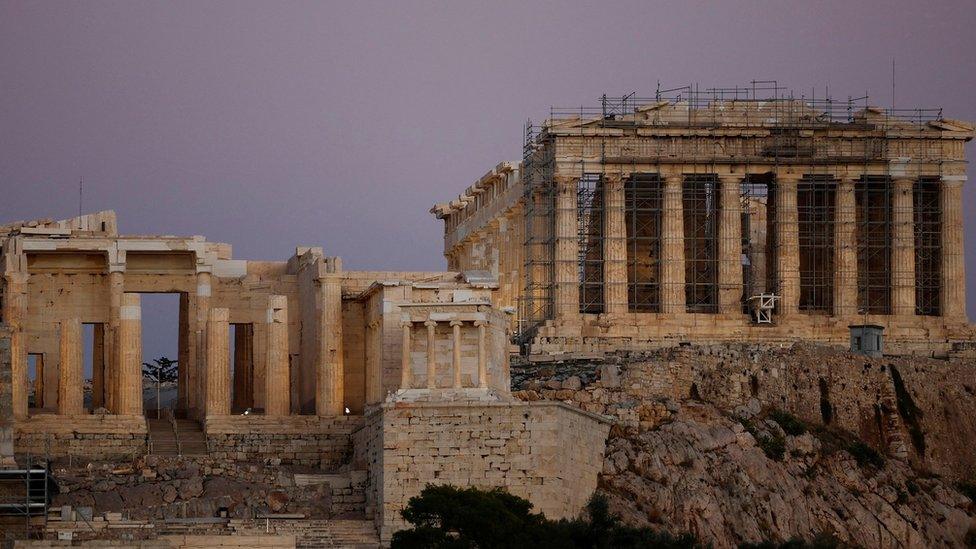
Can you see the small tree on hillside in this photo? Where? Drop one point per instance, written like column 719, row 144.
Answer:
column 161, row 370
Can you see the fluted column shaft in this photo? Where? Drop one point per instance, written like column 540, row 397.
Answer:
column 567, row 248
column 15, row 316
column 953, row 262
column 329, row 384
column 456, row 353
column 482, row 354
column 730, row 245
column 405, row 362
column 787, row 245
column 903, row 248
column 673, row 247
column 845, row 250
column 130, row 364
column 116, row 288
column 70, row 384
column 218, row 363
column 431, row 354
column 614, row 246
column 277, row 378
column 199, row 373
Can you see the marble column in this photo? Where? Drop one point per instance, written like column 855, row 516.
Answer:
column 7, row 419
column 845, row 250
column 405, row 362
column 431, row 354
column 567, row 248
column 787, row 245
column 198, row 373
column 903, row 248
column 953, row 261
column 456, row 352
column 730, row 245
column 277, row 377
column 130, row 364
column 329, row 381
column 70, row 383
column 116, row 288
column 218, row 363
column 673, row 247
column 614, row 246
column 482, row 353
column 15, row 316
column 98, row 366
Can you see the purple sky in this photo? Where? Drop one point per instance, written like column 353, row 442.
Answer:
column 272, row 124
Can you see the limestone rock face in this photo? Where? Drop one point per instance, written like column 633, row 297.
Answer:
column 703, row 473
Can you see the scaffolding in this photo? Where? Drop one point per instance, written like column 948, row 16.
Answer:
column 755, row 130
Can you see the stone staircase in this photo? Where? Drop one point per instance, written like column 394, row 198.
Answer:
column 186, row 439
column 320, row 533
column 193, row 441
column 162, row 439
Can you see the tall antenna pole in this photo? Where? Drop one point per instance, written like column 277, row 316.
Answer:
column 81, row 185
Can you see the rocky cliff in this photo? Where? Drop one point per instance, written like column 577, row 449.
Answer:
column 740, row 444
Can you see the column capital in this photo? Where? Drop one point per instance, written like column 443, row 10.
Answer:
column 456, row 323
column 731, row 177
column 953, row 180
column 406, row 324
column 788, row 178
column 430, row 323
column 673, row 179
column 480, row 323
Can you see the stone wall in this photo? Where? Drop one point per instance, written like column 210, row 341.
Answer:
column 548, row 453
column 912, row 407
column 324, row 442
column 94, row 437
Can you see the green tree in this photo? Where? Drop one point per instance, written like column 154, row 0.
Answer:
column 162, row 370
column 447, row 517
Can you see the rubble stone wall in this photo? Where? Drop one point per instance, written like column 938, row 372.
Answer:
column 548, row 453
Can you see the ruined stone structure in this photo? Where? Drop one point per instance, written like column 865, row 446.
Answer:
column 721, row 217
column 328, row 368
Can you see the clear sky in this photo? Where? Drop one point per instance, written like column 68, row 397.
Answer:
column 274, row 124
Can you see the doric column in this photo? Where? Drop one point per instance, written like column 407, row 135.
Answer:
column 15, row 316
column 130, row 361
column 198, row 374
column 70, row 384
column 405, row 363
column 673, row 247
column 787, row 245
column 277, row 378
column 329, row 384
column 730, row 245
column 845, row 249
column 482, row 353
column 218, row 363
column 953, row 263
column 614, row 246
column 98, row 366
column 567, row 247
column 116, row 287
column 431, row 354
column 7, row 419
column 903, row 248
column 456, row 353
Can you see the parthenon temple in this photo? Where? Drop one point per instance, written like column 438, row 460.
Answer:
column 717, row 216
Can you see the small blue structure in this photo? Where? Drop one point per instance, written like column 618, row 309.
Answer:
column 867, row 339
